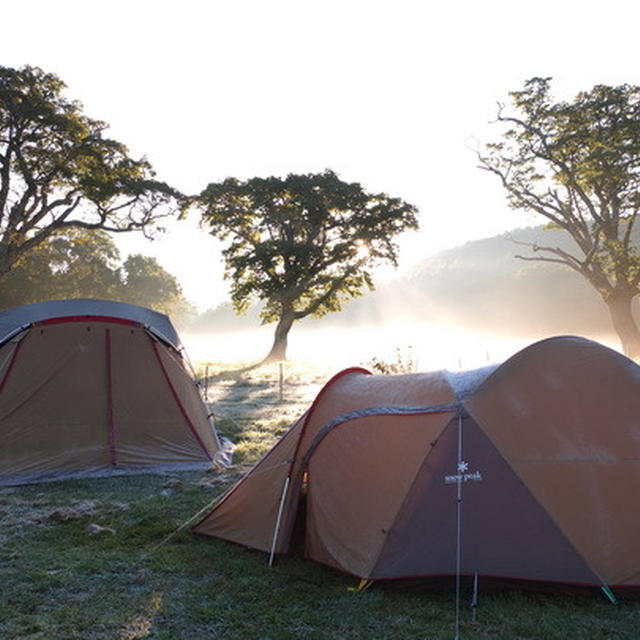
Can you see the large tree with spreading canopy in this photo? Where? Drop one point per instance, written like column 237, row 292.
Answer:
column 58, row 171
column 577, row 164
column 303, row 244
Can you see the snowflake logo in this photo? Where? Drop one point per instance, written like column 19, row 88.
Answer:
column 462, row 467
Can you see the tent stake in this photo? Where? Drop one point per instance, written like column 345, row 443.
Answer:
column 363, row 585
column 278, row 518
column 474, row 599
column 607, row 592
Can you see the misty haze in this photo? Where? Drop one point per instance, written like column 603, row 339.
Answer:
column 461, row 308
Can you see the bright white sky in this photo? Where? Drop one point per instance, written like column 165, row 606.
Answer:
column 390, row 94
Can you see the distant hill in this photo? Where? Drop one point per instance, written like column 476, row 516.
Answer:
column 483, row 284
column 480, row 285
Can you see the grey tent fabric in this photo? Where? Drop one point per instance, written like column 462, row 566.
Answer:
column 464, row 383
column 92, row 388
column 12, row 321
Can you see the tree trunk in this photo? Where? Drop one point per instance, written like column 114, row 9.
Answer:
column 279, row 349
column 625, row 324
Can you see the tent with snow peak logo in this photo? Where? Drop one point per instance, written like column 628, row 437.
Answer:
column 91, row 387
column 529, row 471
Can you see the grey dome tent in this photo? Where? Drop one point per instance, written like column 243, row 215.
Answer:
column 94, row 387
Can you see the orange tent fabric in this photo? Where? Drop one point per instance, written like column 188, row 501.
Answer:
column 529, row 471
column 87, row 388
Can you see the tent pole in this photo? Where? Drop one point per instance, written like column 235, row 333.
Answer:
column 278, row 519
column 458, row 527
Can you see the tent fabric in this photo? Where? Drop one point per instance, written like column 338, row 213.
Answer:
column 14, row 320
column 537, row 462
column 84, row 394
column 249, row 510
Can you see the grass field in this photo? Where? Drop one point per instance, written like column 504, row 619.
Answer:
column 79, row 559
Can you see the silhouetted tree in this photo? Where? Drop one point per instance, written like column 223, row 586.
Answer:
column 303, row 244
column 86, row 264
column 73, row 264
column 145, row 282
column 578, row 164
column 58, row 171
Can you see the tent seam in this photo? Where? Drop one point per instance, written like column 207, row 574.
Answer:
column 111, row 434
column 177, row 400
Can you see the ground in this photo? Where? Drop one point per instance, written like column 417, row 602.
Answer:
column 107, row 558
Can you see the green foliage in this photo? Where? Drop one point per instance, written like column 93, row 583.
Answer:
column 303, row 244
column 74, row 264
column 145, row 282
column 80, row 263
column 58, row 171
column 578, row 164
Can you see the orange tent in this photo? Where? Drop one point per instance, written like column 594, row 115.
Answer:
column 529, row 471
column 95, row 387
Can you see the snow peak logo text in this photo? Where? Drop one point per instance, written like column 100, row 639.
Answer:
column 463, row 475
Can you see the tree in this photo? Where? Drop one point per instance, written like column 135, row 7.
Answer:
column 75, row 263
column 78, row 263
column 58, row 171
column 577, row 164
column 303, row 244
column 145, row 282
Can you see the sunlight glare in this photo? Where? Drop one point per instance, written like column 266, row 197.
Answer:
column 431, row 348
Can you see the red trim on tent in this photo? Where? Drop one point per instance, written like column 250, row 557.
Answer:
column 14, row 355
column 177, row 399
column 111, row 434
column 64, row 319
